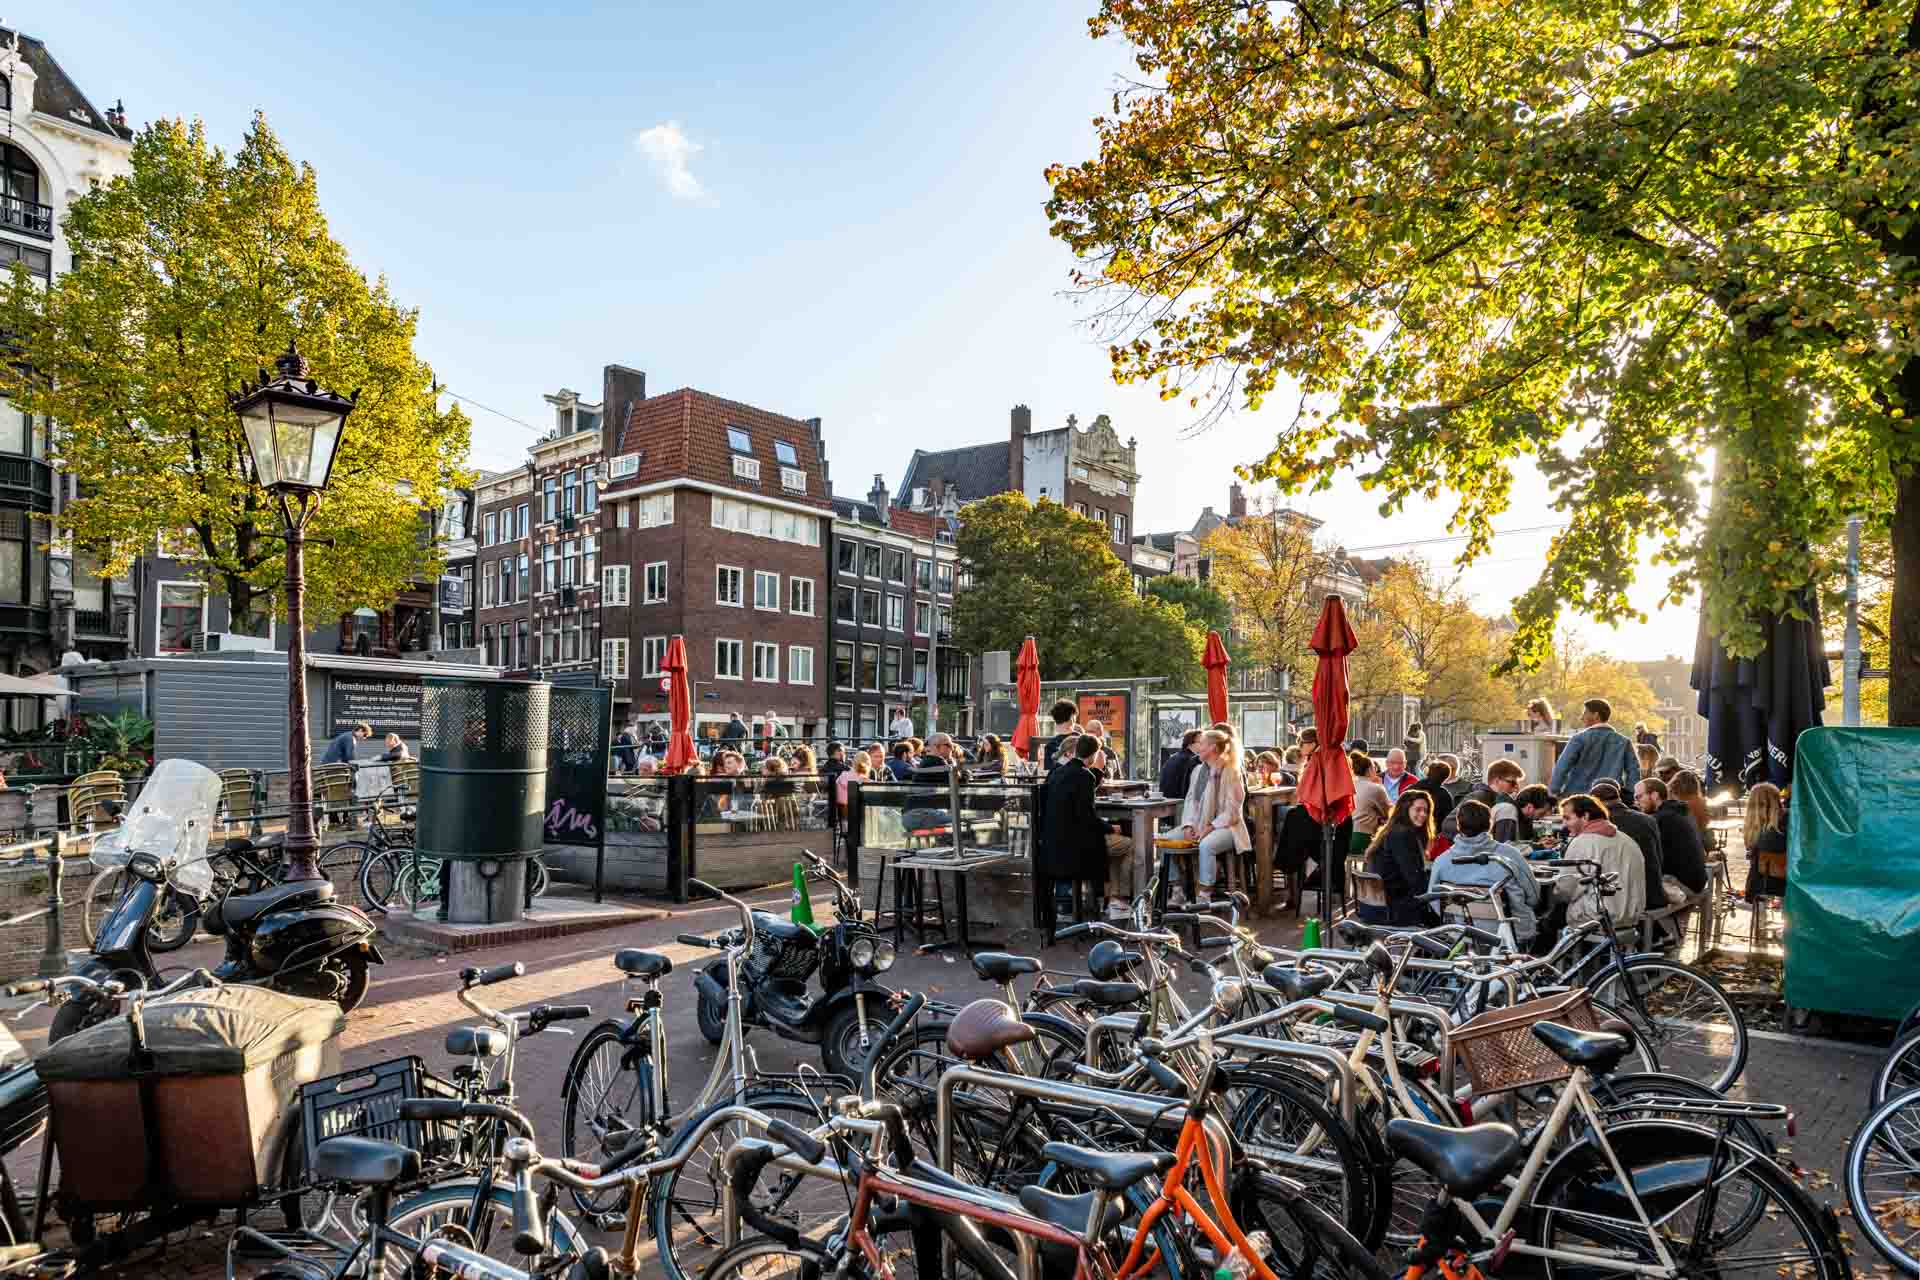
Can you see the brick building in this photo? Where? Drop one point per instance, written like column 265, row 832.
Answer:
column 715, row 520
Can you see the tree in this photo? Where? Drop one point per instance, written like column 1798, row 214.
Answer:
column 1205, row 607
column 1379, row 670
column 1571, row 673
column 1451, row 648
column 1611, row 237
column 1270, row 571
column 1040, row 570
column 189, row 276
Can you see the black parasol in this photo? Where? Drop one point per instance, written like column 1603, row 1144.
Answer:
column 1757, row 707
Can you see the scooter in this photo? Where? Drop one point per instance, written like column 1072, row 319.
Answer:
column 851, row 1009
column 292, row 937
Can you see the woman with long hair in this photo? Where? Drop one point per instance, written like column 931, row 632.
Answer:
column 1215, row 813
column 1398, row 855
column 1685, row 787
column 801, row 760
column 1540, row 717
column 993, row 757
column 1766, row 839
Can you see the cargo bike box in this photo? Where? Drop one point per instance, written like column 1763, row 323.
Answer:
column 187, row 1100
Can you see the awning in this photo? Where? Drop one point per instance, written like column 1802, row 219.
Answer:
column 33, row 687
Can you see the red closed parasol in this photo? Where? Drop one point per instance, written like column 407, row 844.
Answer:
column 1326, row 784
column 1026, row 684
column 1215, row 660
column 673, row 674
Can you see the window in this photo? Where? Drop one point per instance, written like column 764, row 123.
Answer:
column 570, row 645
column 1119, row 526
column 919, row 670
column 589, row 491
column 785, row 454
column 520, row 521
column 843, row 719
column 1079, row 508
column 847, row 556
column 654, row 586
column 570, row 574
column 896, row 566
column 766, row 522
column 653, row 652
column 623, row 514
column 739, row 440
column 800, row 596
column 553, row 646
column 520, row 645
column 570, row 494
column 791, row 479
column 890, row 672
column 870, row 608
column 183, row 608
column 1079, row 473
column 614, row 585
column 799, row 664
column 613, row 659
column 39, row 261
column 489, row 583
column 766, row 662
column 946, row 579
column 869, row 722
column 746, row 469
column 486, row 644
column 549, row 568
column 869, row 666
column 726, row 588
column 843, row 664
column 1100, row 514
column 492, row 530
column 896, row 613
column 624, row 465
column 550, row 499
column 1121, row 485
column 923, row 574
column 843, row 598
column 652, row 511
column 922, row 618
column 726, row 659
column 506, row 581
column 506, row 645
column 766, row 590
column 870, row 561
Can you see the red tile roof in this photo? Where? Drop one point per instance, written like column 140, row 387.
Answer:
column 915, row 524
column 683, row 435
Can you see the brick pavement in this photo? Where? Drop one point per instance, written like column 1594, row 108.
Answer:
column 411, row 1006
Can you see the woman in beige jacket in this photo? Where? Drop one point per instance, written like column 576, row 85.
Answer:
column 1216, row 808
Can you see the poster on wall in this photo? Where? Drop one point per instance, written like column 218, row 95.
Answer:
column 388, row 706
column 579, row 738
column 1110, row 709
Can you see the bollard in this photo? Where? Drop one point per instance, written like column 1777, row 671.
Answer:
column 53, row 961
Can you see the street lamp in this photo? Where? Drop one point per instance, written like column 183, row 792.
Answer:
column 293, row 427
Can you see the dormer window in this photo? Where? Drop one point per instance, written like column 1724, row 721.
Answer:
column 786, row 454
column 739, row 440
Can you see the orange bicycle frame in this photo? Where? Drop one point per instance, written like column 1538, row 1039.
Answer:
column 1225, row 1235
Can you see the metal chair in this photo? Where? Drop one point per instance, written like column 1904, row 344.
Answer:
column 333, row 791
column 239, row 798
column 1369, row 890
column 96, row 798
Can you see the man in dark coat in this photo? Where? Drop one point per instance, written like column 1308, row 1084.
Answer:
column 1644, row 832
column 1076, row 839
column 735, row 734
column 1063, row 713
column 1174, row 775
column 1682, row 855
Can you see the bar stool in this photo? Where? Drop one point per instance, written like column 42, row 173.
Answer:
column 1169, row 848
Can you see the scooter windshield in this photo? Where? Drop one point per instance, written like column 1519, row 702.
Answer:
column 172, row 818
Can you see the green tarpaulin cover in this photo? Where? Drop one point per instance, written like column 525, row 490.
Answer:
column 1853, row 872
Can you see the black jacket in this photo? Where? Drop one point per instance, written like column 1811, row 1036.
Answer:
column 735, row 734
column 1681, row 851
column 1053, row 745
column 1645, row 833
column 1075, row 845
column 1442, row 799
column 1400, row 861
column 1177, row 773
column 1302, row 840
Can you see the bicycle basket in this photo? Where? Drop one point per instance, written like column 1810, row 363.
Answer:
column 1499, row 1048
column 366, row 1104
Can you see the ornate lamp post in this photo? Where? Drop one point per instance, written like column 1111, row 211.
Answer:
column 293, row 428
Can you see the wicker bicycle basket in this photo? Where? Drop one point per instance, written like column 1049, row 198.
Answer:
column 1501, row 1052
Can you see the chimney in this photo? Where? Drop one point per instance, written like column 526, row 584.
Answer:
column 878, row 497
column 820, row 452
column 1017, row 448
column 621, row 388
column 1236, row 502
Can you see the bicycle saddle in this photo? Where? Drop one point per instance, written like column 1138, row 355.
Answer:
column 1108, row 1170
column 999, row 966
column 984, row 1028
column 1598, row 1051
column 364, row 1162
column 642, row 964
column 1464, row 1161
column 1110, row 995
column 1292, row 984
column 1090, row 1216
column 1109, row 961
column 476, row 1042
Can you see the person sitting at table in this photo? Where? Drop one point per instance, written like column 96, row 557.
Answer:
column 1215, row 812
column 800, row 759
column 396, row 750
column 1682, row 856
column 1473, row 837
column 1398, row 855
column 858, row 771
column 876, row 759
column 1496, row 791
column 1649, row 758
column 1643, row 831
column 1063, row 713
column 992, row 758
column 933, row 776
column 901, row 763
column 1594, row 838
column 1766, row 840
column 1068, row 745
column 1685, row 787
column 1434, row 783
column 1176, row 773
column 1370, row 803
column 1531, row 804
column 1395, row 777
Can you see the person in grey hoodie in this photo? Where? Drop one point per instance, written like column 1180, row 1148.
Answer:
column 1598, row 751
column 1522, row 892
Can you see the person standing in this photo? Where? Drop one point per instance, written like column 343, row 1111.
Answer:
column 1398, row 855
column 1079, row 845
column 626, row 755
column 1597, row 751
column 340, row 749
column 901, row 726
column 1415, row 746
column 1645, row 737
column 1216, row 807
column 1682, row 855
column 1063, row 713
column 1643, row 831
column 1540, row 717
column 1596, row 839
column 734, row 736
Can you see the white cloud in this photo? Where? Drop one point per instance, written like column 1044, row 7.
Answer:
column 668, row 150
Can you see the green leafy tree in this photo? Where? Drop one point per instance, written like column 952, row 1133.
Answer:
column 1205, row 608
column 1612, row 238
column 1447, row 643
column 1040, row 570
column 1276, row 579
column 189, row 276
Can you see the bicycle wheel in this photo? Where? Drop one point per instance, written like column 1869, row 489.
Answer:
column 1685, row 1019
column 1308, row 1242
column 686, row 1199
column 490, row 1221
column 605, row 1092
column 538, row 871
column 345, row 864
column 1275, row 1116
column 378, row 876
column 771, row 1260
column 1900, row 1072
column 1699, row 1193
column 1883, row 1179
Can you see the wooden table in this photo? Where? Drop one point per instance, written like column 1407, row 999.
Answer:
column 1264, row 806
column 1145, row 812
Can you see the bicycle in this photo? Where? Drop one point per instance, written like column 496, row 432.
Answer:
column 1883, row 1179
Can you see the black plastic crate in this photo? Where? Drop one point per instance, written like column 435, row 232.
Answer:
column 366, row 1104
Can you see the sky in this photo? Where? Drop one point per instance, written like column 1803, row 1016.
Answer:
column 824, row 211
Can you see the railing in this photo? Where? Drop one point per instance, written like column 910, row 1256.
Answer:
column 27, row 215
column 29, row 478
column 95, row 623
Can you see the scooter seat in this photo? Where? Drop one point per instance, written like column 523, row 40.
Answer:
column 240, row 910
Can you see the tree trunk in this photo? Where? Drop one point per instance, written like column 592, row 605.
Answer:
column 1903, row 697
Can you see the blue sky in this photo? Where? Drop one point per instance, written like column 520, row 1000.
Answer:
column 830, row 211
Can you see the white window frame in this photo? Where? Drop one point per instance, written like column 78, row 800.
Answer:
column 616, row 585
column 653, row 651
column 760, row 648
column 623, row 515
column 792, row 479
column 739, row 586
column 745, row 468
column 622, row 465
column 894, row 614
column 646, row 583
column 653, row 511
column 922, row 617
column 160, row 594
column 793, row 596
column 791, row 458
column 613, row 659
column 760, row 576
column 795, row 661
column 721, row 645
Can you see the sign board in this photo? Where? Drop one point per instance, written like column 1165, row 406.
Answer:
column 453, row 593
column 390, row 705
column 1110, row 709
column 666, row 684
column 579, row 742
